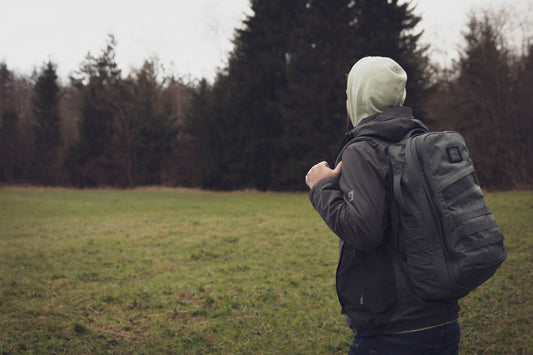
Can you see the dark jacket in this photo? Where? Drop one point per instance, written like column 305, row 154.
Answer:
column 373, row 291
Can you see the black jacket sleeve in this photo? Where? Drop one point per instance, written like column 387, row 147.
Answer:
column 355, row 206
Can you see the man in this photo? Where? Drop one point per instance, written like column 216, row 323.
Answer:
column 354, row 201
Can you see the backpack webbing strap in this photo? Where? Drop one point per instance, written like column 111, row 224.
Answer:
column 496, row 238
column 463, row 232
column 397, row 189
column 471, row 214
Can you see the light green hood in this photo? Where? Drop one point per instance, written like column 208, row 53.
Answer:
column 374, row 83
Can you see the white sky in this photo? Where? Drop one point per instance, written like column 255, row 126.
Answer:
column 188, row 36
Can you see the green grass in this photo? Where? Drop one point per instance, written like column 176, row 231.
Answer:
column 191, row 272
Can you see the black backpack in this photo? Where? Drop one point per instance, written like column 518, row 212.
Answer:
column 445, row 238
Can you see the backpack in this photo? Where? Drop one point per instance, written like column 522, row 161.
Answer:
column 444, row 237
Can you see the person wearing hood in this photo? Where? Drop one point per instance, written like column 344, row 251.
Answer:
column 353, row 198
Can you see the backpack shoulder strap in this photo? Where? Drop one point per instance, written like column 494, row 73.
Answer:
column 377, row 139
column 392, row 243
column 361, row 138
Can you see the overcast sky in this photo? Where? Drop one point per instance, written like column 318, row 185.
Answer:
column 188, row 36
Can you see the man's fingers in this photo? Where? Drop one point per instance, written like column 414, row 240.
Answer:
column 337, row 171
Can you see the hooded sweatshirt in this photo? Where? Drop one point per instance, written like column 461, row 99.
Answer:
column 373, row 292
column 374, row 84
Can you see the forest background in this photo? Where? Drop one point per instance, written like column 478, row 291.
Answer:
column 277, row 108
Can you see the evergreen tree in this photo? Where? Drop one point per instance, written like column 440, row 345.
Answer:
column 261, row 56
column 388, row 28
column 519, row 146
column 10, row 142
column 244, row 118
column 145, row 129
column 45, row 165
column 280, row 106
column 485, row 96
column 200, row 126
column 90, row 160
column 330, row 38
column 6, row 84
column 219, row 136
column 483, row 100
column 13, row 148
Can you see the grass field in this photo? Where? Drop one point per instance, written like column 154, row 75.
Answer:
column 191, row 272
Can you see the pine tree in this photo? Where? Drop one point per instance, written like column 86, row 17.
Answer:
column 244, row 105
column 483, row 95
column 145, row 129
column 200, row 126
column 47, row 134
column 519, row 126
column 13, row 147
column 214, row 121
column 330, row 37
column 90, row 160
column 280, row 106
column 177, row 164
column 6, row 83
column 388, row 28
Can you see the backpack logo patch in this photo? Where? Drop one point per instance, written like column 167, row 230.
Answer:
column 454, row 155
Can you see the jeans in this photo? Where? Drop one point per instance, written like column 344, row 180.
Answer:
column 443, row 340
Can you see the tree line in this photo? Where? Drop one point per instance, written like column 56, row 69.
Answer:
column 274, row 110
column 99, row 130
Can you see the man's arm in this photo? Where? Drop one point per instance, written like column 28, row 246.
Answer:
column 353, row 204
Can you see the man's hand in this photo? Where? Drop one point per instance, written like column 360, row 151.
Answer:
column 321, row 171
